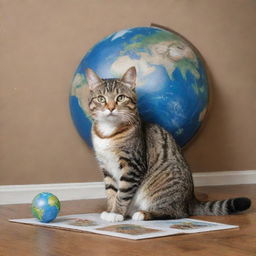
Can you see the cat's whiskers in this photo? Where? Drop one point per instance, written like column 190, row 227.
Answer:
column 131, row 118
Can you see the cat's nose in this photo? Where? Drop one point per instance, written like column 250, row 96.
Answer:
column 111, row 107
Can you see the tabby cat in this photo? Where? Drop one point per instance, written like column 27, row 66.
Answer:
column 145, row 174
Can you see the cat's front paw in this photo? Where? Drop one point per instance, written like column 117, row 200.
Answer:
column 111, row 216
column 138, row 216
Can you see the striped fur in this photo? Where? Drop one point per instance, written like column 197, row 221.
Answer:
column 145, row 174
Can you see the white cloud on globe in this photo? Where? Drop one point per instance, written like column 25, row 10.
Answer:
column 119, row 34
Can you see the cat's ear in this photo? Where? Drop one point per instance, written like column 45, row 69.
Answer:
column 93, row 79
column 129, row 78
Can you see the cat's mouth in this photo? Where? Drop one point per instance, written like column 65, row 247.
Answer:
column 111, row 116
column 108, row 116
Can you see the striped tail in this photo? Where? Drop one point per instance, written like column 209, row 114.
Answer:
column 221, row 207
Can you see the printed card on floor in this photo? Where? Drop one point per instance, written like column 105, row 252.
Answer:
column 129, row 229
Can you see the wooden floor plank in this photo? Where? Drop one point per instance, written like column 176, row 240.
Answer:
column 27, row 240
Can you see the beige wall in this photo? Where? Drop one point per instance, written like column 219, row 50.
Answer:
column 43, row 41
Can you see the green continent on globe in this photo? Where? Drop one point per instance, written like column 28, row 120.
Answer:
column 167, row 49
column 53, row 201
column 38, row 213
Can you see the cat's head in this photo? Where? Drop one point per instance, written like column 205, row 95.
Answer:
column 112, row 100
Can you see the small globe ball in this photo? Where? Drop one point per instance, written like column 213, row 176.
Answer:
column 45, row 207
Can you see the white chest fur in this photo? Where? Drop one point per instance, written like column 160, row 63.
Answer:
column 106, row 155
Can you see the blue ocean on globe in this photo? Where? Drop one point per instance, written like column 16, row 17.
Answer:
column 45, row 207
column 172, row 85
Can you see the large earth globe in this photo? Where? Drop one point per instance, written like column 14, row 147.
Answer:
column 45, row 207
column 171, row 86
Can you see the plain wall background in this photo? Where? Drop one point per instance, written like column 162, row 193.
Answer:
column 43, row 41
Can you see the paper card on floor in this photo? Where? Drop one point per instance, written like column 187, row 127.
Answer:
column 129, row 229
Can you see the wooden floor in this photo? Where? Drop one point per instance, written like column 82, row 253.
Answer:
column 26, row 240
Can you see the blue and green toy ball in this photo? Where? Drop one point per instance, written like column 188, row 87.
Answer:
column 45, row 207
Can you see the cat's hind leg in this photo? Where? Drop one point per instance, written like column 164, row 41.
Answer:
column 146, row 215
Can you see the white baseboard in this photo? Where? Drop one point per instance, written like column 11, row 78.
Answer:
column 224, row 178
column 20, row 194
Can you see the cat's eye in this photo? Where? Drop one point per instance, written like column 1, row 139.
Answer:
column 101, row 99
column 120, row 98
